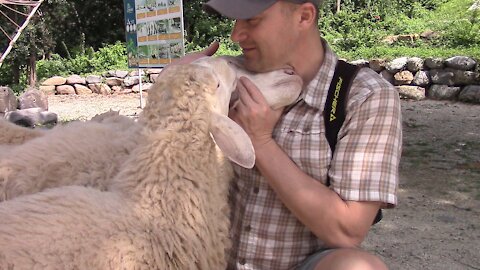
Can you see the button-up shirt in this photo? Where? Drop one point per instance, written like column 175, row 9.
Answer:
column 364, row 167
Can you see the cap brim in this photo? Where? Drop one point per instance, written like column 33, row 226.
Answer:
column 236, row 9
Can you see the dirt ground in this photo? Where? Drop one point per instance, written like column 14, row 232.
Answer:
column 437, row 222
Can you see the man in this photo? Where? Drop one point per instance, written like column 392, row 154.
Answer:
column 284, row 216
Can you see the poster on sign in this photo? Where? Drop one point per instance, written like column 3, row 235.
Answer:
column 154, row 32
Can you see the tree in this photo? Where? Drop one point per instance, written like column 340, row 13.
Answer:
column 34, row 41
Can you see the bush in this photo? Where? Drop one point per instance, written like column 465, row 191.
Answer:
column 349, row 30
column 108, row 57
column 462, row 33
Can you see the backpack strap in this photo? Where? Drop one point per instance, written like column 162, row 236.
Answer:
column 336, row 103
column 335, row 107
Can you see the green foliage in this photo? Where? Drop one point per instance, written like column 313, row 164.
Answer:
column 227, row 47
column 108, row 57
column 202, row 28
column 71, row 34
column 350, row 29
column 462, row 33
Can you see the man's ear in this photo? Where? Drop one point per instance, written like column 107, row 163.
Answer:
column 307, row 15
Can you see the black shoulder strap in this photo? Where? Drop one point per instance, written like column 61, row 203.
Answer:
column 335, row 106
column 336, row 103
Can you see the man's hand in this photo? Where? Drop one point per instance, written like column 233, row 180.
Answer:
column 189, row 58
column 252, row 112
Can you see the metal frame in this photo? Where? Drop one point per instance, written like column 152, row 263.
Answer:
column 12, row 5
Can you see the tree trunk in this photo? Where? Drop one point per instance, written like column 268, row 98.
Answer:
column 32, row 70
column 338, row 5
column 15, row 73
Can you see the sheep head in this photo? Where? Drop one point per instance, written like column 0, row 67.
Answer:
column 187, row 95
column 279, row 87
column 217, row 77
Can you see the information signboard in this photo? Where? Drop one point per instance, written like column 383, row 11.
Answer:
column 154, row 32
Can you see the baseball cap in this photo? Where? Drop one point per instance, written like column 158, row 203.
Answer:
column 245, row 9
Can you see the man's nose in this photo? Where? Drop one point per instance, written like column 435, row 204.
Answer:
column 239, row 33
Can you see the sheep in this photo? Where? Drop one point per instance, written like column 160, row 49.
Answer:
column 160, row 212
column 91, row 153
column 166, row 208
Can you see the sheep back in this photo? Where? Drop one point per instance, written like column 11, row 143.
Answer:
column 79, row 153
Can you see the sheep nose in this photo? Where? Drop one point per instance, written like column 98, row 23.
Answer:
column 289, row 71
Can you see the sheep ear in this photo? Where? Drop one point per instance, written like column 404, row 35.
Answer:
column 232, row 140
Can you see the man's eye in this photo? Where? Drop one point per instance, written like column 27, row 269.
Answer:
column 253, row 21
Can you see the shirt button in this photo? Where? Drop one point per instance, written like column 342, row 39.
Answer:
column 256, row 190
column 248, row 228
column 242, row 261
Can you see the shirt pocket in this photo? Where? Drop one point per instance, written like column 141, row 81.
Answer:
column 305, row 143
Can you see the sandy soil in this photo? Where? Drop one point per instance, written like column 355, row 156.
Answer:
column 437, row 222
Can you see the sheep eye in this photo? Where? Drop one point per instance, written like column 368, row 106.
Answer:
column 218, row 85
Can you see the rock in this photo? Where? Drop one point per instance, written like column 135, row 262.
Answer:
column 475, row 6
column 93, row 79
column 462, row 77
column 8, row 100
column 116, row 88
column 440, row 76
column 153, row 77
column 470, row 93
column 125, row 91
column 460, row 62
column 434, row 63
column 81, row 89
column 47, row 89
column 32, row 117
column 55, row 80
column 387, row 76
column 33, row 98
column 113, row 81
column 135, row 72
column 121, row 73
column 377, row 64
column 403, row 77
column 65, row 90
column 360, row 63
column 414, row 64
column 411, row 92
column 154, row 70
column 428, row 34
column 145, row 87
column 396, row 65
column 443, row 92
column 100, row 88
column 421, row 78
column 75, row 79
column 131, row 80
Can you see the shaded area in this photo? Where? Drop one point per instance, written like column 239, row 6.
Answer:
column 437, row 222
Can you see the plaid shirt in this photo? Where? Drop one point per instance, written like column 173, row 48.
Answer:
column 364, row 167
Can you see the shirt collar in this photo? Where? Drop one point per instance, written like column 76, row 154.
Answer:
column 315, row 93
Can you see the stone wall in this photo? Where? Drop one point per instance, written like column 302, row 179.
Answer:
column 455, row 78
column 114, row 81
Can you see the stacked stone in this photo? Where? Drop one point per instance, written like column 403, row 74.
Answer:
column 455, row 78
column 111, row 82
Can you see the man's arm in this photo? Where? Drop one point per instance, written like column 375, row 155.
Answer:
column 337, row 222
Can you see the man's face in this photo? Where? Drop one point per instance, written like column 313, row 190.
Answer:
column 268, row 39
